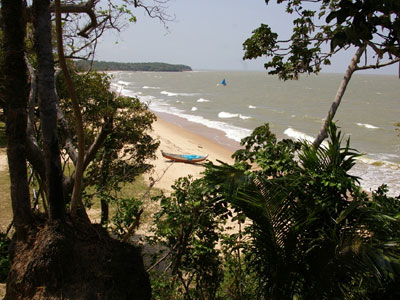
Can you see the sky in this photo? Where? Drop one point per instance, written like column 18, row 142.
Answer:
column 206, row 35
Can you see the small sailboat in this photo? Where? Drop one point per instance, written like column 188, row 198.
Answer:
column 223, row 82
column 187, row 158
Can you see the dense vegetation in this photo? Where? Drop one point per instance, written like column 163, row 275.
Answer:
column 118, row 66
column 122, row 123
column 311, row 232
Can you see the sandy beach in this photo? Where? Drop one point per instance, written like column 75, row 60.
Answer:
column 180, row 136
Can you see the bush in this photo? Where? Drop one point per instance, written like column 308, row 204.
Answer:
column 4, row 259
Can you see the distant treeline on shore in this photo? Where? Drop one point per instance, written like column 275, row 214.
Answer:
column 118, row 66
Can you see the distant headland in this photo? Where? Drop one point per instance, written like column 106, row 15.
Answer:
column 118, row 66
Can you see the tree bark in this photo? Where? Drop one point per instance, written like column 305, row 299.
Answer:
column 90, row 153
column 33, row 152
column 16, row 95
column 339, row 95
column 76, row 200
column 48, row 110
column 104, row 212
column 105, row 166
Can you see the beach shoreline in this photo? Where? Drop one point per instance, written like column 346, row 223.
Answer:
column 177, row 135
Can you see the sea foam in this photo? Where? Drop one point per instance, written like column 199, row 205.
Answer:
column 232, row 132
column 373, row 173
column 159, row 105
column 367, row 126
column 121, row 88
column 203, row 100
column 121, row 82
column 227, row 115
column 298, row 135
column 171, row 94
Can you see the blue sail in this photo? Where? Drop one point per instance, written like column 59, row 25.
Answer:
column 223, row 82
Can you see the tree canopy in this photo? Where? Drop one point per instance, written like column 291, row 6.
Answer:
column 322, row 28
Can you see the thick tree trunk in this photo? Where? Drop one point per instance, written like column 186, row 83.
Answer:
column 16, row 95
column 48, row 110
column 339, row 95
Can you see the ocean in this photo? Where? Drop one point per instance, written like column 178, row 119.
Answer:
column 368, row 113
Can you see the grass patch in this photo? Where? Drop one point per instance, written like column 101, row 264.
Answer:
column 139, row 189
column 3, row 136
column 5, row 197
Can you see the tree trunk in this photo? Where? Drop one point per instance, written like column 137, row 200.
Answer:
column 104, row 212
column 48, row 110
column 342, row 88
column 105, row 167
column 76, row 200
column 16, row 95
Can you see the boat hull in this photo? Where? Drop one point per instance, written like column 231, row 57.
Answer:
column 186, row 158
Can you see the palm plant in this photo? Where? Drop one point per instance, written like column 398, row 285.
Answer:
column 315, row 233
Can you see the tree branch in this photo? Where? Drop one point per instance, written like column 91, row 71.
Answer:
column 33, row 152
column 377, row 66
column 91, row 153
column 87, row 8
column 98, row 142
column 134, row 225
column 339, row 95
column 68, row 142
column 76, row 201
column 162, row 258
column 157, row 11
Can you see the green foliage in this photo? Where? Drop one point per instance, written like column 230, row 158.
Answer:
column 359, row 21
column 4, row 259
column 127, row 148
column 269, row 154
column 314, row 233
column 328, row 168
column 147, row 67
column 240, row 280
column 163, row 287
column 202, row 261
column 126, row 212
column 188, row 225
column 339, row 23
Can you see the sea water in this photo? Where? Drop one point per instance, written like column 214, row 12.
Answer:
column 368, row 113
